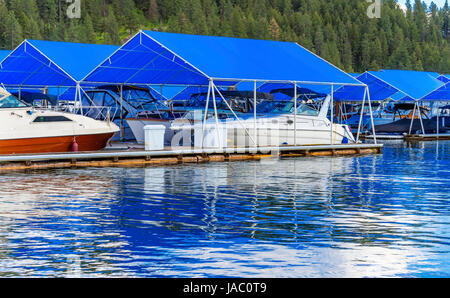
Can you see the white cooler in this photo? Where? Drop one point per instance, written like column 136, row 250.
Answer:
column 154, row 137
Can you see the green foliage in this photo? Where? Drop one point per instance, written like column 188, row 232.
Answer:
column 339, row 31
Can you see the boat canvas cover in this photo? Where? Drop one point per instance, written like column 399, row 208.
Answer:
column 182, row 59
column 50, row 63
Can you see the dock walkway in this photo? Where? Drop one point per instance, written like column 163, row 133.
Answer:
column 140, row 158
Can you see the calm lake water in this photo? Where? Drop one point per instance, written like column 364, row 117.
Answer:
column 367, row 216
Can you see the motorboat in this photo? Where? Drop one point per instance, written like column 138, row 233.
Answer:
column 307, row 126
column 26, row 129
column 132, row 108
column 420, row 124
column 240, row 101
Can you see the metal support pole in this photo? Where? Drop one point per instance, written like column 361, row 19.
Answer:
column 295, row 113
column 205, row 117
column 420, row 118
column 331, row 113
column 217, row 119
column 437, row 122
column 255, row 133
column 412, row 119
column 122, row 132
column 362, row 113
column 371, row 117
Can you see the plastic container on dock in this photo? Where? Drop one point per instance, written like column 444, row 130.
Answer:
column 154, row 137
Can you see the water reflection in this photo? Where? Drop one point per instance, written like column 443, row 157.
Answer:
column 365, row 216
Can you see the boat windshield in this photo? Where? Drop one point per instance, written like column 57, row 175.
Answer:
column 9, row 101
column 307, row 110
column 285, row 107
column 276, row 107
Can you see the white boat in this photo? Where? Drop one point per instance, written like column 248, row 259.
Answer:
column 242, row 101
column 24, row 129
column 308, row 127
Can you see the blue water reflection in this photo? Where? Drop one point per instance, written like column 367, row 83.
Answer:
column 366, row 216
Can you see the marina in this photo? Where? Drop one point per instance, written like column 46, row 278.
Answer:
column 199, row 156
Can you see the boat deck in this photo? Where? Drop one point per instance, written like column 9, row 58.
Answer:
column 132, row 155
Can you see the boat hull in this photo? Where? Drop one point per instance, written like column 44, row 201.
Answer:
column 60, row 144
column 266, row 137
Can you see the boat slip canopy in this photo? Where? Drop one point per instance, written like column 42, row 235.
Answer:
column 182, row 59
column 379, row 90
column 440, row 94
column 399, row 84
column 49, row 63
column 415, row 84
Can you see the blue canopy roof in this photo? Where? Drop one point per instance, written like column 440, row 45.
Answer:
column 181, row 59
column 49, row 63
column 415, row 84
column 440, row 94
column 429, row 73
column 4, row 54
column 378, row 89
column 444, row 78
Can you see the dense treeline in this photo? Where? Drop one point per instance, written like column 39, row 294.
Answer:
column 338, row 30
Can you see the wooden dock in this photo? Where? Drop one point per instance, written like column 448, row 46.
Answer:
column 142, row 158
column 427, row 137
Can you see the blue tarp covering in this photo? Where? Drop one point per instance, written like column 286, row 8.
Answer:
column 378, row 89
column 400, row 96
column 429, row 73
column 4, row 54
column 415, row 84
column 444, row 78
column 181, row 59
column 441, row 94
column 48, row 63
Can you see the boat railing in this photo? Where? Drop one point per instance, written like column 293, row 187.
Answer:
column 104, row 113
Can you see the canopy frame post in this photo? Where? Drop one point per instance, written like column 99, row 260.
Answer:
column 361, row 116
column 331, row 114
column 255, row 133
column 216, row 116
column 122, row 131
column 295, row 113
column 371, row 116
column 205, row 116
column 412, row 118
column 420, row 118
column 437, row 122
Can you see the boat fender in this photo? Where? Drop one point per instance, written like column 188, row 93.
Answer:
column 30, row 112
column 345, row 140
column 74, row 145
